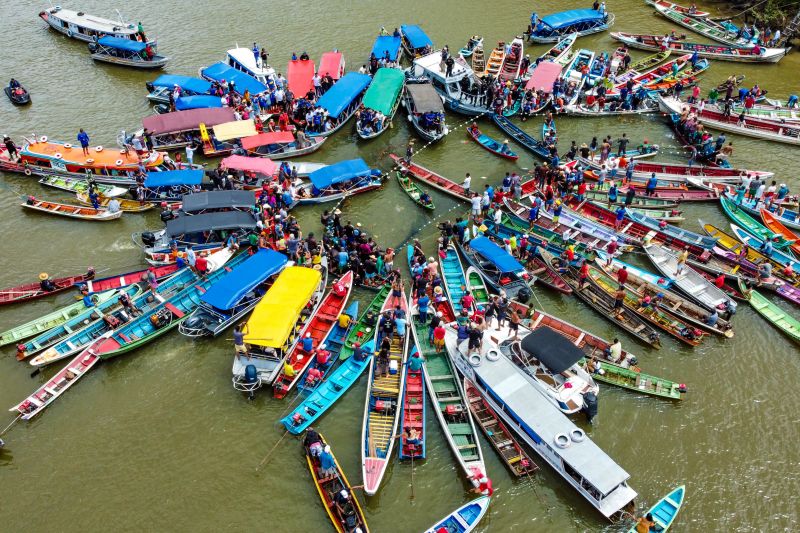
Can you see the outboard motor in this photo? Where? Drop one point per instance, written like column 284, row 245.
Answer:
column 250, row 379
column 149, row 85
column 524, row 295
column 166, row 216
column 93, row 47
column 590, row 406
column 148, row 238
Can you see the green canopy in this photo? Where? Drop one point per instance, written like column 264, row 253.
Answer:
column 384, row 90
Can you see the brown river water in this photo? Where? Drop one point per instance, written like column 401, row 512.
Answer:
column 158, row 440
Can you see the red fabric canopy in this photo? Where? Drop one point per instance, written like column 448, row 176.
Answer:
column 261, row 165
column 300, row 74
column 263, row 139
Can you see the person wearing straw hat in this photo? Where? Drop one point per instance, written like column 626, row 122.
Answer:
column 46, row 283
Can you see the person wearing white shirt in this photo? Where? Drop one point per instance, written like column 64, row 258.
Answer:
column 466, row 183
column 760, row 191
column 191, row 256
column 113, row 206
column 190, row 148
column 317, row 84
column 476, row 205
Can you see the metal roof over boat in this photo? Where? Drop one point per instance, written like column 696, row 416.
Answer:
column 267, row 138
column 242, row 82
column 275, row 316
column 187, row 120
column 425, row 97
column 217, row 200
column 542, row 421
column 415, row 36
column 242, row 58
column 429, row 65
column 504, row 261
column 544, row 75
column 234, row 130
column 119, row 43
column 385, row 89
column 555, row 351
column 300, row 76
column 224, row 220
column 386, row 43
column 260, row 165
column 171, row 178
column 245, row 277
column 343, row 93
column 187, row 83
column 197, row 101
column 331, row 63
column 340, row 172
column 93, row 22
column 565, row 19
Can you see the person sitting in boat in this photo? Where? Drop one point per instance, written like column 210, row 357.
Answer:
column 425, row 198
column 45, row 283
column 646, row 524
column 111, row 321
column 410, row 436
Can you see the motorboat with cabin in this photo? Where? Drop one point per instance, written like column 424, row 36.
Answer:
column 461, row 90
column 84, row 27
column 127, row 53
column 159, row 90
column 425, row 109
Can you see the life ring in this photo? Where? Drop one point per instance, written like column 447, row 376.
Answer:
column 94, row 38
column 475, row 359
column 492, row 355
column 118, row 162
column 27, row 171
column 561, row 440
column 69, row 34
column 58, row 155
column 577, row 435
column 98, row 148
column 90, row 161
column 67, row 146
column 123, row 151
column 43, row 139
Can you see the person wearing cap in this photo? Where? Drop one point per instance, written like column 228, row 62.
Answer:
column 327, row 464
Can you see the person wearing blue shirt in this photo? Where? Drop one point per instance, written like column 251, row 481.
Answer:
column 651, row 185
column 415, row 362
column 620, row 217
column 400, row 326
column 87, row 300
column 490, row 192
column 629, row 171
column 83, row 138
column 422, row 305
column 308, row 343
column 612, row 194
column 327, row 464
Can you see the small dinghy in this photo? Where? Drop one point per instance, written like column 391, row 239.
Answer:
column 17, row 93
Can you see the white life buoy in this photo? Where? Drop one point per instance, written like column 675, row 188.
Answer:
column 118, row 162
column 27, row 171
column 94, row 38
column 59, row 156
column 577, row 435
column 475, row 359
column 69, row 34
column 123, row 151
column 98, row 148
column 67, row 146
column 90, row 161
column 43, row 139
column 492, row 355
column 561, row 440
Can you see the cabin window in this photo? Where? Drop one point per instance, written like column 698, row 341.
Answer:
column 438, row 84
column 572, row 472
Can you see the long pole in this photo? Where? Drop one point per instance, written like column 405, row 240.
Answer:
column 266, row 457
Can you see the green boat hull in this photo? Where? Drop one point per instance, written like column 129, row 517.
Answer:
column 774, row 314
column 750, row 224
column 138, row 343
column 361, row 330
column 637, row 381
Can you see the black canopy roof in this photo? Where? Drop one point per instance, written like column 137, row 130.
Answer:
column 227, row 220
column 218, row 200
column 555, row 351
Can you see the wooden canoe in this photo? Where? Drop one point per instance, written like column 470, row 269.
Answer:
column 77, row 185
column 637, row 381
column 478, row 61
column 710, row 51
column 413, row 412
column 751, row 225
column 680, row 9
column 477, row 286
column 705, row 27
column 125, row 205
column 496, row 58
column 365, row 328
column 31, row 291
column 72, row 211
column 774, row 224
column 413, row 191
column 502, row 440
column 667, row 508
column 129, row 278
column 464, row 519
column 431, row 178
column 547, row 275
column 772, row 313
column 537, row 148
column 639, row 202
column 491, row 145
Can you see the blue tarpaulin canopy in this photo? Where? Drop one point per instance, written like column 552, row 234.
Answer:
column 228, row 291
column 221, row 71
column 169, row 178
column 339, row 172
column 197, row 101
column 122, row 44
column 187, row 83
column 386, row 43
column 343, row 92
column 503, row 260
column 415, row 36
column 565, row 19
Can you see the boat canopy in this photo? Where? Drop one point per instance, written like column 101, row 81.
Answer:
column 275, row 316
column 340, row 172
column 300, row 76
column 259, row 165
column 265, row 139
column 386, row 43
column 544, row 76
column 171, row 178
column 241, row 81
column 221, row 220
column 425, row 97
column 385, row 89
column 118, row 43
column 234, row 130
column 187, row 120
column 343, row 93
column 245, row 277
column 555, row 351
column 331, row 63
column 187, row 83
column 503, row 260
column 197, row 101
column 565, row 19
column 415, row 36
column 217, row 200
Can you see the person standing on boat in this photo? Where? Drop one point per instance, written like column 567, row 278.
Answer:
column 83, row 138
column 682, row 258
column 11, row 148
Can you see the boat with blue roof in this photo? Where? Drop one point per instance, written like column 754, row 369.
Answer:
column 242, row 81
column 552, row 28
column 386, row 49
column 338, row 181
column 128, row 53
column 415, row 41
column 500, row 269
column 171, row 185
column 160, row 88
column 338, row 104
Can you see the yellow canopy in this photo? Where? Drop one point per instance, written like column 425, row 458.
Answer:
column 234, row 130
column 274, row 317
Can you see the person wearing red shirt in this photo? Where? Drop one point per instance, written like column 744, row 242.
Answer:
column 611, row 249
column 201, row 264
column 719, row 281
column 622, row 275
column 584, row 274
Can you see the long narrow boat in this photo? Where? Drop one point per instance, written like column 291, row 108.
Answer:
column 477, row 287
column 364, row 330
column 413, row 191
column 449, row 402
column 603, row 303
column 548, row 276
column 431, row 178
column 674, row 195
column 673, row 325
column 503, row 441
column 464, row 519
column 478, row 59
column 782, row 211
column 680, row 234
column 679, row 172
column 736, row 213
column 129, row 278
column 774, row 314
column 71, row 211
column 774, row 224
column 719, row 52
column 537, row 148
column 491, row 145
column 665, row 511
column 125, row 205
column 473, row 42
column 455, row 283
column 687, row 77
column 76, row 185
column 688, row 11
column 784, row 258
column 32, row 291
column 669, row 215
column 639, row 202
column 333, row 345
column 574, row 77
column 637, row 381
column 559, row 53
column 509, row 71
column 649, row 76
column 705, row 27
column 413, row 412
column 383, row 96
column 52, row 319
column 345, row 517
column 78, row 322
column 381, row 408
column 642, row 274
column 495, row 61
column 765, row 111
column 690, row 281
column 317, row 328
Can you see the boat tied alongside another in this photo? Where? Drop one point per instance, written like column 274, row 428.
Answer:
column 128, row 53
column 380, row 103
column 554, row 27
